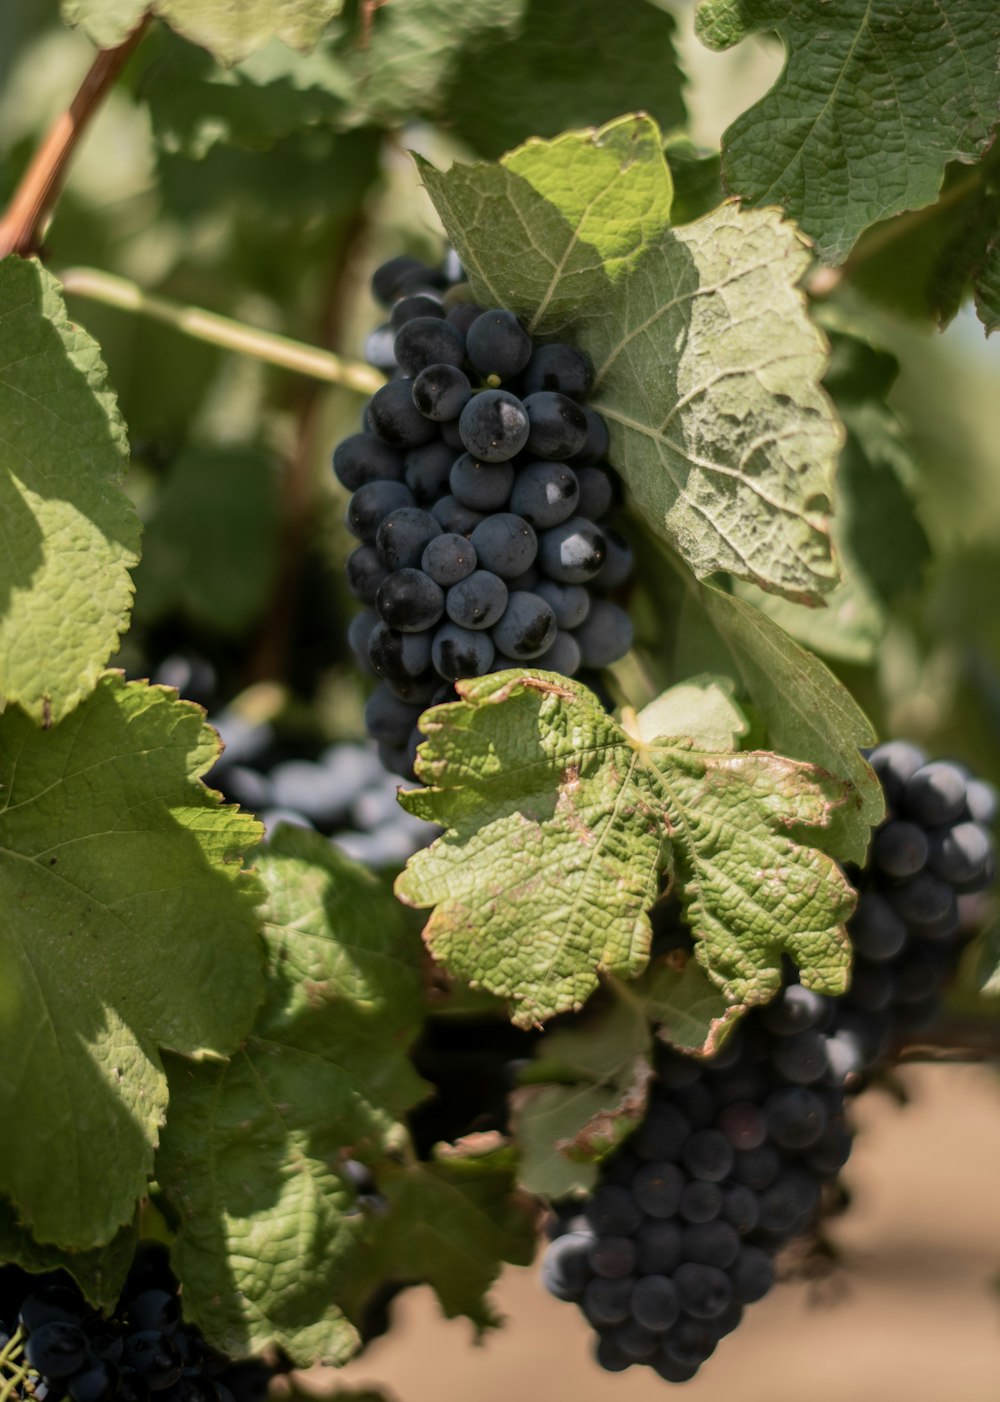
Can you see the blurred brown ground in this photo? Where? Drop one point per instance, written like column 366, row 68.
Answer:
column 912, row 1314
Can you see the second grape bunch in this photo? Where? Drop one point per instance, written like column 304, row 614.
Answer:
column 481, row 499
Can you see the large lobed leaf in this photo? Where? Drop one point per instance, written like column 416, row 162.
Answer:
column 128, row 925
column 251, row 1152
column 707, row 367
column 69, row 533
column 874, row 100
column 559, row 826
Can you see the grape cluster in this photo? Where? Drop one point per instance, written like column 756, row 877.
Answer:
column 481, row 500
column 733, row 1156
column 144, row 1349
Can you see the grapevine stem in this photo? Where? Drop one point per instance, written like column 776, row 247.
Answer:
column 38, row 190
column 223, row 330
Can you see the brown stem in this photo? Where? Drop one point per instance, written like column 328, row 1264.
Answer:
column 38, row 190
column 972, row 1039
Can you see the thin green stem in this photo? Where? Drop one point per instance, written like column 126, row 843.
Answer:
column 223, row 330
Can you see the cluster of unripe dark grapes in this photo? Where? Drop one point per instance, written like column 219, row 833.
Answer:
column 480, row 498
column 734, row 1153
column 55, row 1346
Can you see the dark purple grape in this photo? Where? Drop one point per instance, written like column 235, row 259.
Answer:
column 410, row 601
column 448, row 559
column 900, row 849
column 572, row 552
column 612, row 1257
column 527, row 627
column 395, row 419
column 700, row 1201
column 497, row 344
column 402, row 536
column 454, row 518
column 424, row 341
column 363, row 458
column 441, row 392
column 612, row 1211
column 477, row 601
column 482, row 486
column 752, row 1275
column 56, row 1348
column 657, row 1188
column 654, row 1303
column 557, row 426
column 459, row 652
column 493, row 426
column 545, row 494
column 561, row 368
column 505, row 544
column 427, row 471
column 704, row 1291
column 934, row 794
column 795, row 1118
column 565, row 1268
column 707, row 1155
column 370, row 505
column 607, row 1302
column 570, row 603
column 597, row 495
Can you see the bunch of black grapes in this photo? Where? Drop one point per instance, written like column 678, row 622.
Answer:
column 143, row 1350
column 733, row 1156
column 481, row 500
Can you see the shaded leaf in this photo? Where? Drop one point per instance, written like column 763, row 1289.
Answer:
column 874, row 100
column 450, row 1223
column 560, row 825
column 70, row 533
column 252, row 1150
column 100, row 1273
column 128, row 925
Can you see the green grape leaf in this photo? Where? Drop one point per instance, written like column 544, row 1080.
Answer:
column 450, row 1223
column 874, row 100
column 808, row 714
column 880, row 543
column 229, row 29
column 70, row 533
column 987, row 287
column 209, row 549
column 128, row 925
column 690, row 1013
column 707, row 366
column 559, row 825
column 251, row 1150
column 701, row 708
column 584, row 1092
column 100, row 1273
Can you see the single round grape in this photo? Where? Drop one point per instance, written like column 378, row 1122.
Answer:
column 740, row 1208
column 460, row 652
column 800, row 1058
column 662, row 1133
column 156, row 1356
column 667, row 1367
column 419, row 691
column 423, row 302
column 50, row 1304
column 895, row 763
column 426, row 471
column 557, row 426
column 654, row 1303
column 387, row 718
column 794, row 1009
column 545, row 494
column 56, row 1348
column 385, row 278
column 795, row 1118
column 505, row 544
column 597, row 494
column 96, row 1381
column 918, row 975
column 618, row 563
column 751, row 1274
column 607, row 1302
column 402, row 536
column 371, row 503
column 960, row 853
column 363, row 458
column 398, row 655
column 493, row 425
column 365, row 572
column 454, row 518
column 563, row 656
column 441, row 392
column 756, row 1168
column 605, row 635
column 657, row 1188
column 658, row 1246
column 700, row 1201
column 635, row 1342
column 612, row 1257
column 427, row 340
column 923, row 899
column 612, row 1210
column 477, row 601
column 786, row 1204
column 830, row 1153
column 395, row 419
column 448, row 558
column 608, row 1355
column 570, row 603
column 715, row 1243
column 561, row 368
column 981, row 801
column 704, row 1291
column 463, row 315
column 743, row 1125
column 572, row 552
column 527, row 627
column 482, row 486
column 565, row 1268
column 876, row 930
column 900, row 848
column 497, row 344
column 596, row 443
column 707, row 1155
column 410, row 601
column 934, row 794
